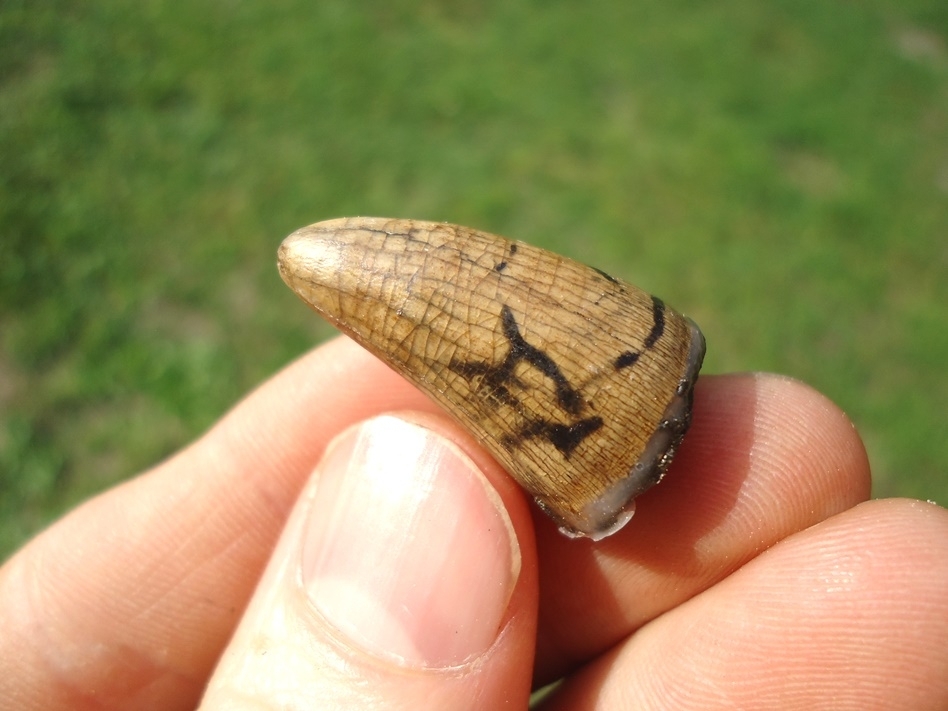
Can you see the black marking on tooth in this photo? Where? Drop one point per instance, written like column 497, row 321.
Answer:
column 568, row 398
column 658, row 322
column 501, row 265
column 565, row 438
column 625, row 360
column 607, row 277
column 498, row 380
column 497, row 386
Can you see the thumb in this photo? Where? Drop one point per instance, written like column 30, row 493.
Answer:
column 400, row 581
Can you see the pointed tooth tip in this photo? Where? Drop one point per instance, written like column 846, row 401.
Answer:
column 308, row 256
column 295, row 244
column 289, row 257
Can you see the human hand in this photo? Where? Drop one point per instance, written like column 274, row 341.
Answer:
column 412, row 573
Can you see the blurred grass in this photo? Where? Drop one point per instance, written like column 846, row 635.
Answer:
column 778, row 171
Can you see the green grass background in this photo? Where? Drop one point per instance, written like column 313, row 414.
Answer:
column 777, row 170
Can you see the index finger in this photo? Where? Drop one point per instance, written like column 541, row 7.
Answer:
column 766, row 457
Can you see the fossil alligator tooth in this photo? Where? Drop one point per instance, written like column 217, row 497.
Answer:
column 578, row 383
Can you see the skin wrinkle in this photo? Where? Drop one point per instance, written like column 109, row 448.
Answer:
column 806, row 439
column 69, row 658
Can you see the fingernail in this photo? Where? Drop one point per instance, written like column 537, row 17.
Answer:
column 408, row 549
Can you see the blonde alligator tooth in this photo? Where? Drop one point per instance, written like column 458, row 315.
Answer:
column 578, row 383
